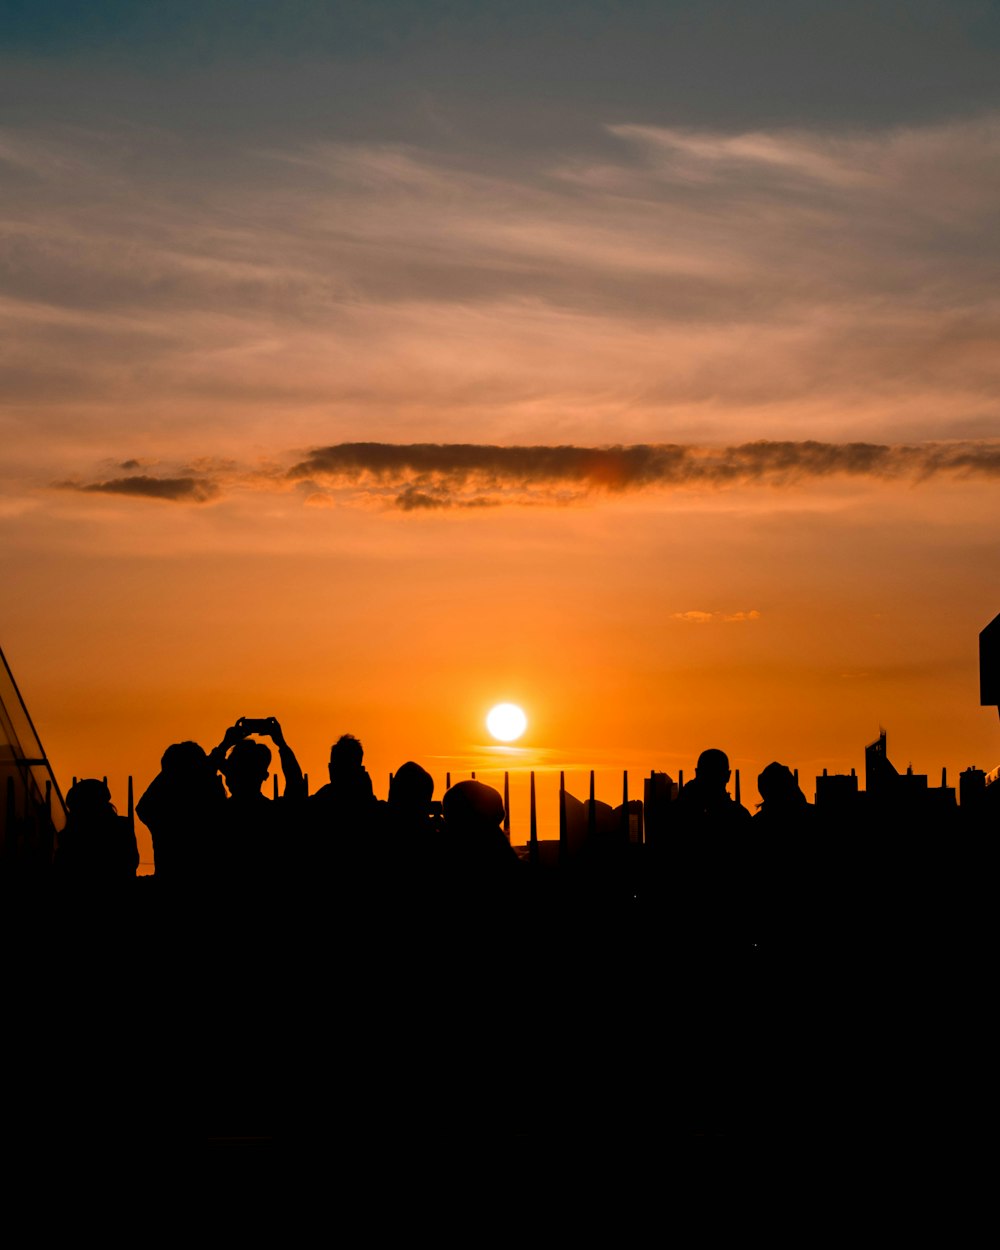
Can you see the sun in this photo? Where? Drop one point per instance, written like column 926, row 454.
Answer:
column 506, row 722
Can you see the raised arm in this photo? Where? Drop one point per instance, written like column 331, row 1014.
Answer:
column 295, row 784
column 217, row 755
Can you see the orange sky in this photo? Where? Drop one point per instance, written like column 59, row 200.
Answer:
column 633, row 631
column 201, row 309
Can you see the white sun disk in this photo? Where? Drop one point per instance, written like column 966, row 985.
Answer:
column 506, row 722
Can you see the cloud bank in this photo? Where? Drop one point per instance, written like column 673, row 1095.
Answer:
column 421, row 477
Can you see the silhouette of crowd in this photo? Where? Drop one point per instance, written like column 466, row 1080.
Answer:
column 705, row 861
column 709, row 968
column 233, row 839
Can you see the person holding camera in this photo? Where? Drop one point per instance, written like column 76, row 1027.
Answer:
column 256, row 830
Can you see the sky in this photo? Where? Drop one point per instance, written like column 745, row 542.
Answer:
column 366, row 365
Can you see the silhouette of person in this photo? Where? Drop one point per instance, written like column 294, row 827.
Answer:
column 408, row 810
column 405, row 827
column 97, row 847
column 480, row 862
column 349, row 793
column 255, row 845
column 250, row 768
column 785, row 854
column 712, row 857
column 783, row 807
column 704, row 804
column 343, row 813
column 182, row 807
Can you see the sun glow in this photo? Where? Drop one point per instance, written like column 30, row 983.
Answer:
column 506, row 722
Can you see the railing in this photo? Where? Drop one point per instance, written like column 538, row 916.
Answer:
column 32, row 811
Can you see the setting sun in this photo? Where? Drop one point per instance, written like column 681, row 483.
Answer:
column 506, row 722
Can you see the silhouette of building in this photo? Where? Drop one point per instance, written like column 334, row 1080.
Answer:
column 989, row 677
column 659, row 791
column 32, row 811
column 971, row 786
column 881, row 777
column 837, row 793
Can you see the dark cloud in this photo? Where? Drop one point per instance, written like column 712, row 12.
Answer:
column 176, row 489
column 412, row 500
column 128, row 465
column 431, row 475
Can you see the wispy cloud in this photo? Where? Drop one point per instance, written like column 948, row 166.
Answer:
column 695, row 154
column 697, row 617
column 701, row 285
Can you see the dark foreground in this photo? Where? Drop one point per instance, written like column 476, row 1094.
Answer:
column 328, row 1013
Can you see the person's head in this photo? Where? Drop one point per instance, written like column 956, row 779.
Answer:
column 246, row 767
column 777, row 783
column 88, row 798
column 472, row 805
column 712, row 769
column 184, row 759
column 411, row 788
column 346, row 755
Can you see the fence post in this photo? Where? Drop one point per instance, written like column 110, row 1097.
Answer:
column 563, row 833
column 626, row 824
column 592, row 813
column 533, row 825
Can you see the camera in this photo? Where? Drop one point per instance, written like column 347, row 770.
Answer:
column 251, row 725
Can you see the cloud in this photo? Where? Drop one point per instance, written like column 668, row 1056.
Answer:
column 697, row 617
column 175, row 489
column 413, row 500
column 436, row 477
column 700, row 154
column 706, row 284
column 441, row 475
